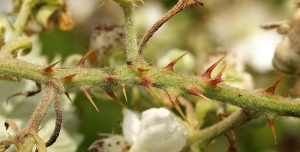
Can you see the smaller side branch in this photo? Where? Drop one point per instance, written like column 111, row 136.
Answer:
column 27, row 93
column 130, row 36
column 14, row 46
column 58, row 121
column 235, row 120
column 181, row 5
column 42, row 108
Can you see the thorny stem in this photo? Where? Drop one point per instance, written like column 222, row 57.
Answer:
column 260, row 104
column 235, row 120
column 181, row 5
column 127, row 75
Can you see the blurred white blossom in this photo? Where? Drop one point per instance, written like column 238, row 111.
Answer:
column 155, row 130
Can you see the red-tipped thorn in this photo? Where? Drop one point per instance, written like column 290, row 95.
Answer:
column 207, row 73
column 82, row 60
column 15, row 54
column 273, row 87
column 69, row 77
column 271, row 124
column 68, row 96
column 112, row 95
column 218, row 78
column 152, row 62
column 195, row 91
column 147, row 83
column 173, row 100
column 170, row 66
column 50, row 67
column 111, row 79
column 152, row 90
column 142, row 70
column 124, row 92
column 86, row 93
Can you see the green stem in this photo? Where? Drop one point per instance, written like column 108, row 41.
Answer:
column 13, row 46
column 22, row 19
column 130, row 38
column 203, row 137
column 261, row 103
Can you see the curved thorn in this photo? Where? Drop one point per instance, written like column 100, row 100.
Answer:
column 69, row 77
column 124, row 92
column 86, row 93
column 271, row 124
column 207, row 73
column 219, row 76
column 68, row 96
column 152, row 90
column 142, row 70
column 82, row 60
column 173, row 100
column 196, row 92
column 170, row 66
column 50, row 67
column 147, row 83
column 273, row 87
column 112, row 95
column 152, row 62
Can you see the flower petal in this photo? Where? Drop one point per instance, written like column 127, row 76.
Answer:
column 159, row 131
column 131, row 125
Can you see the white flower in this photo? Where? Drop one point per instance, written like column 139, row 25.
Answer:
column 156, row 130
